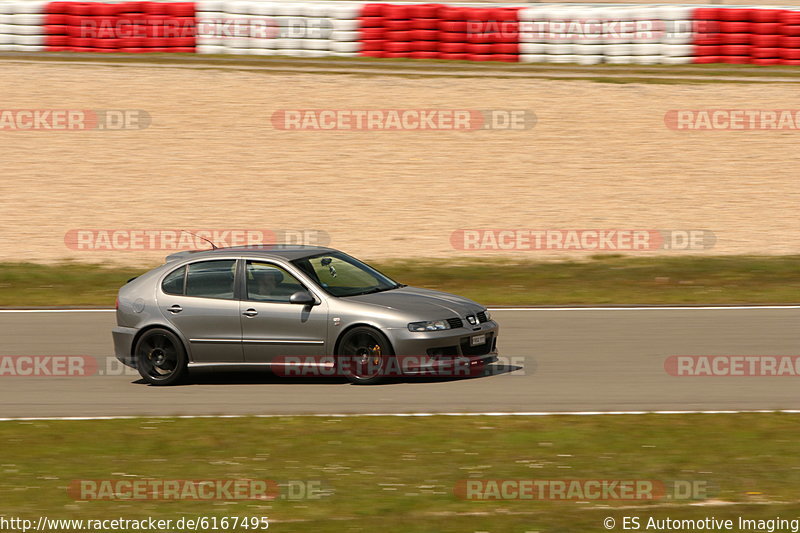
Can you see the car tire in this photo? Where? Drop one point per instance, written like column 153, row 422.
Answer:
column 160, row 357
column 364, row 356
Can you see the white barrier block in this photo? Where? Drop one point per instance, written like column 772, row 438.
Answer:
column 346, row 46
column 532, row 58
column 620, row 60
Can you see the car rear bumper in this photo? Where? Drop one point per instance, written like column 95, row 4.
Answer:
column 123, row 345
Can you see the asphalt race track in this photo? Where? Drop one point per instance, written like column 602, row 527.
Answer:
column 560, row 360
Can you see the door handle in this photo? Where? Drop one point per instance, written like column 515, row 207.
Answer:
column 250, row 313
column 175, row 309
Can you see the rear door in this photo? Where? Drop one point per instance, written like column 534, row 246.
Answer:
column 273, row 328
column 199, row 299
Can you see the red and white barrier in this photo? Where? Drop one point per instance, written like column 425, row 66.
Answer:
column 539, row 33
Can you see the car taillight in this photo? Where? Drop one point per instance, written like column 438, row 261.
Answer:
column 116, row 304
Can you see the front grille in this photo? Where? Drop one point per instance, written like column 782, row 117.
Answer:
column 482, row 317
column 455, row 323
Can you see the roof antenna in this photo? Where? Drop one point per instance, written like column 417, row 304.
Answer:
column 213, row 246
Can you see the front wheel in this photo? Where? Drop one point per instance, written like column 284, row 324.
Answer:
column 160, row 357
column 364, row 356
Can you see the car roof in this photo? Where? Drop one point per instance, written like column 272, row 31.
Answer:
column 288, row 252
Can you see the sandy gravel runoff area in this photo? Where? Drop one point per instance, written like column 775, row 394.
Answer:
column 600, row 157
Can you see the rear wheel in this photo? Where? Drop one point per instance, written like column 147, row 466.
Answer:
column 160, row 357
column 364, row 355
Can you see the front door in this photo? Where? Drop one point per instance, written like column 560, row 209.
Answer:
column 273, row 328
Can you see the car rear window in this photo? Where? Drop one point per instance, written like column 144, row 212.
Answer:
column 211, row 279
column 173, row 283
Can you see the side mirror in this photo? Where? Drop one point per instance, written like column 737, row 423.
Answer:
column 302, row 298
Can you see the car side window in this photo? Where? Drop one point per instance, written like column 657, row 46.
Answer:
column 211, row 279
column 270, row 283
column 173, row 283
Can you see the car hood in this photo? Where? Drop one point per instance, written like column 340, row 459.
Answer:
column 423, row 303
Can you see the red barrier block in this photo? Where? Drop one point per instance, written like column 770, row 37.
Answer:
column 457, row 26
column 763, row 53
column 424, row 11
column 790, row 53
column 767, row 61
column 425, row 35
column 372, row 53
column 505, row 48
column 452, row 37
column 736, row 38
column 737, row 60
column 181, row 9
column 792, row 30
column 507, row 58
column 56, row 40
column 479, row 49
column 155, row 8
column 398, row 25
column 99, row 9
column 55, row 30
column 426, row 46
column 790, row 17
column 392, row 11
column 368, row 34
column 765, row 15
column 766, row 28
column 79, row 8
column 56, row 7
column 479, row 57
column 789, row 42
column 700, row 50
column 732, row 13
column 392, row 46
column 794, row 62
column 398, row 36
column 706, row 13
column 707, row 59
column 372, row 10
column 767, row 41
column 424, row 55
column 425, row 24
column 454, row 48
column 734, row 27
column 452, row 56
column 371, row 22
column 372, row 45
column 55, row 19
column 735, row 49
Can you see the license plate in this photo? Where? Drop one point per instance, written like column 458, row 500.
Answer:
column 477, row 340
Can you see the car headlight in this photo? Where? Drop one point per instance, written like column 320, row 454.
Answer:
column 429, row 325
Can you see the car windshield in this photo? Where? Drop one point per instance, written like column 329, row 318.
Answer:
column 341, row 275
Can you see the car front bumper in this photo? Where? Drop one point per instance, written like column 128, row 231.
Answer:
column 123, row 345
column 450, row 350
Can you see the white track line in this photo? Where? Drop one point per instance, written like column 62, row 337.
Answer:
column 499, row 309
column 405, row 415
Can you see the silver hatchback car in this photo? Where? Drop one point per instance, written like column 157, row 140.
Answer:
column 282, row 305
